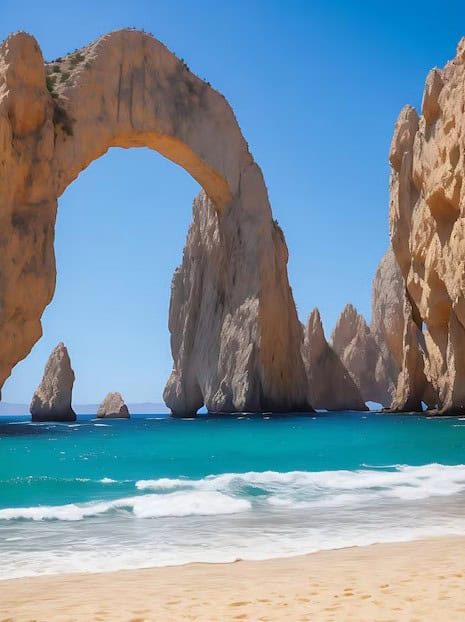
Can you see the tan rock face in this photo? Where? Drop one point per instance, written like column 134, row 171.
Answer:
column 127, row 90
column 52, row 398
column 387, row 323
column 361, row 356
column 113, row 407
column 219, row 347
column 427, row 224
column 330, row 384
column 387, row 315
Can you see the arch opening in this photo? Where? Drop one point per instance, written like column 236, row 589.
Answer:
column 120, row 230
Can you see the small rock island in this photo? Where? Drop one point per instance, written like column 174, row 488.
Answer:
column 113, row 407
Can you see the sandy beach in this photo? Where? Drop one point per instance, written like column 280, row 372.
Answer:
column 414, row 581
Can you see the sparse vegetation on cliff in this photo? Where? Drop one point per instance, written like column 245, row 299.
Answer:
column 76, row 59
column 62, row 119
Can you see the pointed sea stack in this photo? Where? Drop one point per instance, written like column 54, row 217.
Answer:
column 330, row 384
column 52, row 398
column 361, row 356
column 113, row 407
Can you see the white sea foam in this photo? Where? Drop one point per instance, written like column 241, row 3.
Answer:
column 143, row 506
column 210, row 544
column 328, row 488
column 235, row 492
column 164, row 483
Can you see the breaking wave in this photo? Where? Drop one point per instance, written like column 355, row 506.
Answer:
column 232, row 493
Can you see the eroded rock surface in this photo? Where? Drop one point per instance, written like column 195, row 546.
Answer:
column 330, row 384
column 387, row 323
column 427, row 225
column 361, row 356
column 387, row 315
column 113, row 407
column 128, row 90
column 52, row 398
column 221, row 354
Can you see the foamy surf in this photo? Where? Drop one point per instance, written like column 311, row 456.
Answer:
column 175, row 504
column 320, row 488
column 230, row 493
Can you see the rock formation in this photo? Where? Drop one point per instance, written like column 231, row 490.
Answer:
column 427, row 226
column 376, row 356
column 387, row 324
column 52, row 398
column 210, row 296
column 330, row 384
column 387, row 320
column 361, row 356
column 236, row 344
column 113, row 407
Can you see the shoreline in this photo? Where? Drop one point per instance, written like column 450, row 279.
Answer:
column 419, row 579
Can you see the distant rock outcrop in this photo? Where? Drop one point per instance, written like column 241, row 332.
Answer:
column 387, row 323
column 361, row 356
column 52, row 398
column 330, row 384
column 113, row 407
column 387, row 316
column 399, row 368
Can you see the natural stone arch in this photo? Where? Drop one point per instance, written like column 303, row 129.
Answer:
column 127, row 90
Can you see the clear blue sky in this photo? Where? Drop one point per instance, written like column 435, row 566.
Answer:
column 316, row 87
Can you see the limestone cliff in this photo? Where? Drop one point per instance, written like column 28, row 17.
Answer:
column 52, row 398
column 239, row 349
column 330, row 384
column 427, row 225
column 113, row 407
column 220, row 350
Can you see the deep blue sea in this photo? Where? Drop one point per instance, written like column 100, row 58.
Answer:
column 151, row 491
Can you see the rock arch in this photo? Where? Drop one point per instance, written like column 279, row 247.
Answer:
column 128, row 90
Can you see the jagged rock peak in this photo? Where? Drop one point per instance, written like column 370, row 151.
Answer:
column 360, row 354
column 330, row 385
column 349, row 325
column 52, row 398
column 113, row 407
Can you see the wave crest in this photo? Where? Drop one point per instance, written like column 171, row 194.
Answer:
column 174, row 504
column 230, row 493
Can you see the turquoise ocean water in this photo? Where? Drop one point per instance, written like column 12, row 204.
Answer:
column 153, row 491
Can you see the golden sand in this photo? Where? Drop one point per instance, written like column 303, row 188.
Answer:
column 414, row 582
